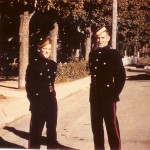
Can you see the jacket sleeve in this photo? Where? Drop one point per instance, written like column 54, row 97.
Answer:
column 55, row 69
column 119, row 72
column 90, row 62
column 31, row 83
column 54, row 64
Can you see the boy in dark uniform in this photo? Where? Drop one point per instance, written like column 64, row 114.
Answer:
column 40, row 77
column 107, row 81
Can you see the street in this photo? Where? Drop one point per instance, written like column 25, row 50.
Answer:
column 74, row 130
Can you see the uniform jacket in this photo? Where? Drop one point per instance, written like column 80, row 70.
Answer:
column 40, row 77
column 107, row 75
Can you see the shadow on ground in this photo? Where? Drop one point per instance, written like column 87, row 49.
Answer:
column 139, row 77
column 3, row 80
column 6, row 144
column 25, row 135
column 10, row 87
column 9, row 79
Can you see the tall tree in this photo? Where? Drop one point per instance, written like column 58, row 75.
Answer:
column 133, row 22
column 24, row 47
column 54, row 36
column 88, row 43
column 132, row 18
column 25, row 9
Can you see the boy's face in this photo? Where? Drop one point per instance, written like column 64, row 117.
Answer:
column 103, row 39
column 46, row 51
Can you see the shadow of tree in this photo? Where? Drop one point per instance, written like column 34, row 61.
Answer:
column 2, row 78
column 25, row 135
column 6, row 144
column 10, row 87
column 139, row 77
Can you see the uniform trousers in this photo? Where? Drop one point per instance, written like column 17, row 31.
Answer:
column 37, row 122
column 106, row 112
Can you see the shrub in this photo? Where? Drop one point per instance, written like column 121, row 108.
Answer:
column 71, row 71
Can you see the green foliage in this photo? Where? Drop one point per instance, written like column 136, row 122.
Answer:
column 71, row 71
column 98, row 12
column 68, row 8
column 133, row 22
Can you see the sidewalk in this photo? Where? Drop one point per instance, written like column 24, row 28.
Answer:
column 15, row 103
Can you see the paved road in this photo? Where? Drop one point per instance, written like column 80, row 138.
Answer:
column 74, row 120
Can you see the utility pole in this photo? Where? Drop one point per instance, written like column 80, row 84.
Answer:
column 114, row 24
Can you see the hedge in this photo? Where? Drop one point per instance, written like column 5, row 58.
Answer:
column 71, row 71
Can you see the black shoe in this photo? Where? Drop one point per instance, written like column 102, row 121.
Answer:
column 57, row 145
column 52, row 145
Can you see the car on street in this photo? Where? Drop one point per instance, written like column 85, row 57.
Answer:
column 147, row 69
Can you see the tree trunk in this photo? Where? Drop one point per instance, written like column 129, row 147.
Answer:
column 114, row 24
column 54, row 35
column 88, row 43
column 24, row 47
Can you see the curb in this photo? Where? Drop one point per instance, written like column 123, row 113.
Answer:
column 134, row 69
column 17, row 104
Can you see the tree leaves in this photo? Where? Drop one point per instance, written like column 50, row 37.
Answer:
column 133, row 22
